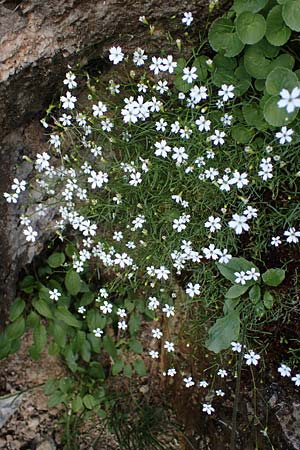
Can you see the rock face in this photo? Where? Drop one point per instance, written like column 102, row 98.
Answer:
column 38, row 40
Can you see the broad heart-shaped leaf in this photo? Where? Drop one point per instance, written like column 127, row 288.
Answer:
column 223, row 332
column 291, row 14
column 222, row 36
column 73, row 282
column 243, row 80
column 277, row 33
column 241, row 134
column 256, row 64
column 236, row 291
column 240, row 6
column 277, row 116
column 254, row 117
column 236, row 265
column 109, row 346
column 281, row 78
column 273, row 277
column 250, row 27
column 56, row 259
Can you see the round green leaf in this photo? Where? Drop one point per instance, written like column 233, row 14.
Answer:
column 254, row 116
column 56, row 259
column 291, row 14
column 250, row 27
column 281, row 78
column 269, row 50
column 285, row 60
column 240, row 6
column 273, row 277
column 277, row 116
column 222, row 36
column 260, row 85
column 256, row 64
column 277, row 32
column 243, row 80
column 241, row 134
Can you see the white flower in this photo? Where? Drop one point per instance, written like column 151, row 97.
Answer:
column 241, row 277
column 98, row 332
column 168, row 64
column 217, row 137
column 208, row 408
column 121, row 312
column 251, row 358
column 122, row 325
column 99, row 109
column 70, row 80
column 156, row 65
column 169, row 346
column 11, row 198
column 238, row 223
column 296, row 379
column 171, row 372
column 157, row 334
column 162, row 273
column 236, row 347
column 187, row 18
column 192, row 289
column 116, row 55
column 290, row 101
column 240, row 179
column 225, row 256
column 189, row 74
column 284, row 370
column 188, row 382
column 203, row 124
column 30, row 234
column 276, row 241
column 213, row 223
column 284, row 135
column 179, row 155
column 162, row 149
column 106, row 308
column 153, row 303
column 211, row 252
column 168, row 310
column 226, row 92
column 97, row 179
column 292, row 235
column 81, row 310
column 68, row 101
column 203, row 383
column 252, row 274
column 220, row 393
column 153, row 354
column 139, row 57
column 222, row 373
column 54, row 294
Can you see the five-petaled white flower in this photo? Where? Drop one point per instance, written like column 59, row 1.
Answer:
column 187, row 18
column 284, row 135
column 288, row 100
column 207, row 407
column 116, row 55
column 251, row 358
column 284, row 370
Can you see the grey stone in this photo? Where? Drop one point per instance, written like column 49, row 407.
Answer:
column 8, row 405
